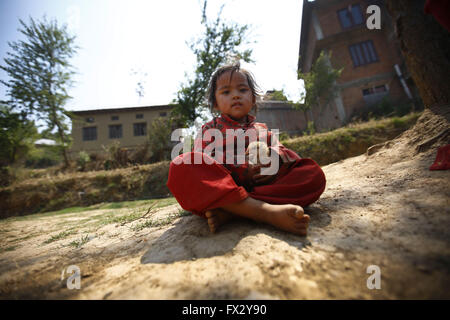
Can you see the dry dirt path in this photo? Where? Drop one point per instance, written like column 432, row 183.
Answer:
column 386, row 210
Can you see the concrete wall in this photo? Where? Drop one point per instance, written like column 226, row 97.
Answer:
column 280, row 115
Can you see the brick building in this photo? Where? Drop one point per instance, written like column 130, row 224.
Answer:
column 373, row 66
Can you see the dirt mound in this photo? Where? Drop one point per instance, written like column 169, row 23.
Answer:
column 385, row 210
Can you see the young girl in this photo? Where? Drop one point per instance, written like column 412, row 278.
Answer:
column 220, row 190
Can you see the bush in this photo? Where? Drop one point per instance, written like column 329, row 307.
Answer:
column 386, row 108
column 82, row 160
column 43, row 157
column 159, row 142
column 141, row 155
column 117, row 157
column 283, row 136
column 349, row 141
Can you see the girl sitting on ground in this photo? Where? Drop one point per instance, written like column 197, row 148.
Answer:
column 219, row 189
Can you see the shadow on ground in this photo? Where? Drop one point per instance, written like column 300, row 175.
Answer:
column 190, row 238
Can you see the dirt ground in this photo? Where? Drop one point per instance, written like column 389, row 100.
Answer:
column 385, row 209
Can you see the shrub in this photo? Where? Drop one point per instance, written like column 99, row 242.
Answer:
column 82, row 160
column 386, row 108
column 159, row 142
column 43, row 157
column 116, row 156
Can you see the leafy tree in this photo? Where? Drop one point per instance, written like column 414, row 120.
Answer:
column 159, row 134
column 277, row 95
column 17, row 135
column 319, row 84
column 40, row 74
column 220, row 43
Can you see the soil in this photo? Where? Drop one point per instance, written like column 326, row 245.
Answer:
column 386, row 209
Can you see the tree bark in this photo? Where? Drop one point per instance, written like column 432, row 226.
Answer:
column 425, row 45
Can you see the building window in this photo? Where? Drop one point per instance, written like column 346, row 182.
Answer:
column 90, row 120
column 163, row 114
column 363, row 53
column 89, row 133
column 375, row 90
column 115, row 131
column 351, row 16
column 114, row 118
column 140, row 116
column 140, row 129
column 374, row 95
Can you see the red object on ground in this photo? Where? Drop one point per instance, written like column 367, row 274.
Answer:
column 442, row 161
column 200, row 187
column 440, row 9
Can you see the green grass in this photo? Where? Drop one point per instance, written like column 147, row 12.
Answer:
column 11, row 248
column 163, row 202
column 60, row 236
column 29, row 236
column 79, row 243
column 161, row 222
column 349, row 141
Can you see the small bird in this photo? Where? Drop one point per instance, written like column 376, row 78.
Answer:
column 256, row 151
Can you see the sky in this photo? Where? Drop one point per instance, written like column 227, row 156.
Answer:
column 117, row 37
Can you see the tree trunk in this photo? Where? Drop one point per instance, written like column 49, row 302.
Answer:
column 305, row 113
column 425, row 45
column 64, row 149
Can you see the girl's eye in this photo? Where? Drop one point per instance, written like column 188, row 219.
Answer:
column 243, row 89
column 225, row 92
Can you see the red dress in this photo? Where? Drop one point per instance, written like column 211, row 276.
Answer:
column 213, row 183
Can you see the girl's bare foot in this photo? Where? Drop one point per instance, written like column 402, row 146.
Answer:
column 217, row 217
column 288, row 217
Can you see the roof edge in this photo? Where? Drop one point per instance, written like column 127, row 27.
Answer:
column 123, row 109
column 306, row 17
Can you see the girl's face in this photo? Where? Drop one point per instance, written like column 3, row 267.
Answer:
column 234, row 96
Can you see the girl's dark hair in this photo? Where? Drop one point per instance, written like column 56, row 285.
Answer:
column 235, row 67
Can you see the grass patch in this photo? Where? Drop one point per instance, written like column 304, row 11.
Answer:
column 11, row 248
column 60, row 236
column 24, row 238
column 161, row 222
column 349, row 141
column 163, row 202
column 79, row 243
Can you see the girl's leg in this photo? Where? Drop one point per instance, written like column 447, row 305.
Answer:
column 302, row 185
column 210, row 191
column 202, row 187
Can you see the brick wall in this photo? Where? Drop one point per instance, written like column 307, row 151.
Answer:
column 354, row 79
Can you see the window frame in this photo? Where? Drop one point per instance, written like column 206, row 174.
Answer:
column 85, row 134
column 363, row 53
column 135, row 128
column 350, row 16
column 120, row 135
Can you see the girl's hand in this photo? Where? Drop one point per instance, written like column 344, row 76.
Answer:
column 259, row 179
